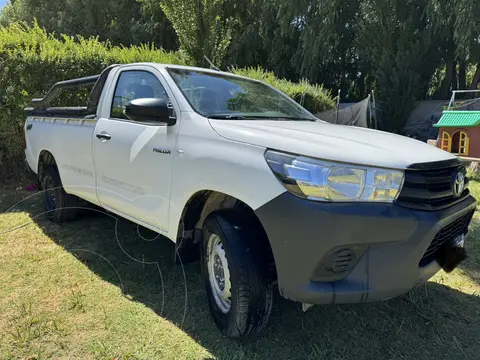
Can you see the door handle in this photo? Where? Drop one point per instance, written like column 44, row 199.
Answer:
column 103, row 135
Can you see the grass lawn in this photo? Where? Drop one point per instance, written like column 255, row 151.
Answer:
column 76, row 291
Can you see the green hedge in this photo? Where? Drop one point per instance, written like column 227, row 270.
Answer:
column 32, row 60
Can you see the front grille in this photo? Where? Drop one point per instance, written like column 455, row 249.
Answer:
column 431, row 188
column 448, row 233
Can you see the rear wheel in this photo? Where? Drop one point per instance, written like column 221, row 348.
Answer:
column 59, row 206
column 235, row 274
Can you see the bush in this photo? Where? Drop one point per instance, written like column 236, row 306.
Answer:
column 32, row 60
column 473, row 171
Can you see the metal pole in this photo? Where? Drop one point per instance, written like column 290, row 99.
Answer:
column 370, row 109
column 338, row 105
column 465, row 91
column 452, row 99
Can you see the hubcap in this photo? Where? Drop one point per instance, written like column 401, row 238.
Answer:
column 218, row 273
column 50, row 194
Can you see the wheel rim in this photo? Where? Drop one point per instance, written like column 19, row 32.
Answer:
column 218, row 273
column 50, row 197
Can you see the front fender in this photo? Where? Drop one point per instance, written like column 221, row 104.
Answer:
column 210, row 162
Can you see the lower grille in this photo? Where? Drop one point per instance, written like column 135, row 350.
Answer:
column 448, row 233
column 431, row 188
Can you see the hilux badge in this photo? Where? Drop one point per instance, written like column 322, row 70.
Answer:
column 458, row 184
column 162, row 151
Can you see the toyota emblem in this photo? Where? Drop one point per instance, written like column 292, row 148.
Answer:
column 458, row 184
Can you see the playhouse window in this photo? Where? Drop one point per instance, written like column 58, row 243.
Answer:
column 456, row 143
column 446, row 141
column 463, row 143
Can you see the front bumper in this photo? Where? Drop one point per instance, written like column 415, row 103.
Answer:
column 393, row 238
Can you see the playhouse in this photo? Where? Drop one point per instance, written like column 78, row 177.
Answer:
column 459, row 133
column 459, row 130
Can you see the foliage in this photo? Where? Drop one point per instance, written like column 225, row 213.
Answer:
column 457, row 37
column 325, row 33
column 395, row 43
column 417, row 49
column 202, row 26
column 124, row 22
column 31, row 60
column 312, row 97
column 467, row 35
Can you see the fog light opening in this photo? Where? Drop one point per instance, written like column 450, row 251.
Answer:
column 338, row 263
column 342, row 261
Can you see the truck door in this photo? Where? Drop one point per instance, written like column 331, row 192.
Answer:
column 133, row 160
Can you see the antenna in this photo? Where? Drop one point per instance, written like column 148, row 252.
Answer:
column 212, row 65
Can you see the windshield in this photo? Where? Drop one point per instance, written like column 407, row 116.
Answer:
column 219, row 96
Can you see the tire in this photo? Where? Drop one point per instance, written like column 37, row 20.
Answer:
column 251, row 292
column 59, row 206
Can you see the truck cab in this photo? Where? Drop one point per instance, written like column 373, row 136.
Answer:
column 243, row 178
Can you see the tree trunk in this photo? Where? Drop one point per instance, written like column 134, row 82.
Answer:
column 462, row 75
column 447, row 80
column 476, row 78
column 201, row 48
column 449, row 56
column 361, row 84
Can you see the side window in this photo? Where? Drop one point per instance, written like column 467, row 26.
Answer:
column 135, row 84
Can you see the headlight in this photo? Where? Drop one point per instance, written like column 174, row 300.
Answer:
column 328, row 181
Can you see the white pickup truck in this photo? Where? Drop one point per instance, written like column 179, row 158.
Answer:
column 242, row 177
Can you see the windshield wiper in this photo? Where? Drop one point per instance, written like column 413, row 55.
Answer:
column 280, row 118
column 226, row 117
column 253, row 117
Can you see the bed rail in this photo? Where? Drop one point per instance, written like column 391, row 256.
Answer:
column 41, row 105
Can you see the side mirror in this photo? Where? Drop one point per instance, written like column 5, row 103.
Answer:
column 149, row 110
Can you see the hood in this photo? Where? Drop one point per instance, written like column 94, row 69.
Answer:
column 331, row 142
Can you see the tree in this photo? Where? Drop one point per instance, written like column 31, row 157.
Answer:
column 406, row 49
column 312, row 39
column 327, row 34
column 203, row 27
column 157, row 28
column 457, row 35
column 123, row 22
column 249, row 45
column 467, row 34
column 442, row 14
column 395, row 39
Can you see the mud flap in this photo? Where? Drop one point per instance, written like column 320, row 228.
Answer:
column 306, row 306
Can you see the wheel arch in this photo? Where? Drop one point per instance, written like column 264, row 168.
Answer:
column 45, row 158
column 203, row 203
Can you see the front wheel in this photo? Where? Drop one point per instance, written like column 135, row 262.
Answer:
column 235, row 274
